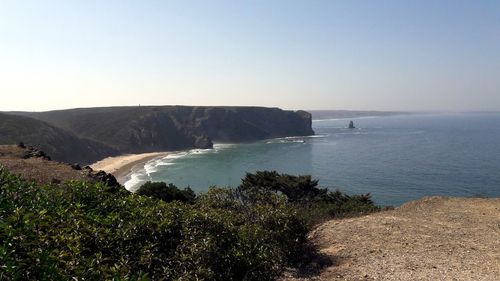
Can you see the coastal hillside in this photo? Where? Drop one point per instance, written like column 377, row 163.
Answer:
column 157, row 128
column 60, row 144
column 434, row 238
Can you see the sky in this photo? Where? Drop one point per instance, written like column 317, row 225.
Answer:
column 310, row 54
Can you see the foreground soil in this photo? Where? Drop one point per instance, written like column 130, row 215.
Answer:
column 435, row 238
column 13, row 158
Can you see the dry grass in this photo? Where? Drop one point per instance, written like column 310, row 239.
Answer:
column 435, row 238
column 38, row 169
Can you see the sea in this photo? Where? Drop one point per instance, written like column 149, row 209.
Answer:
column 396, row 159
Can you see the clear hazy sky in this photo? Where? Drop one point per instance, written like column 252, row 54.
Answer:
column 382, row 55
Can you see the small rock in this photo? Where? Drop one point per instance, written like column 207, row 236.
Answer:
column 26, row 155
column 106, row 178
column 76, row 166
column 55, row 181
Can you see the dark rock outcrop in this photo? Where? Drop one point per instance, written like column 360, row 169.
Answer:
column 32, row 152
column 246, row 124
column 101, row 176
column 76, row 166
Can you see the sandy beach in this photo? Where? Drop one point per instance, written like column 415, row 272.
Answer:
column 121, row 166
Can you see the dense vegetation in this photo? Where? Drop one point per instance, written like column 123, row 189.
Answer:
column 314, row 204
column 93, row 232
column 167, row 192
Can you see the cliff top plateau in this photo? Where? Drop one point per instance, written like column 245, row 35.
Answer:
column 434, row 238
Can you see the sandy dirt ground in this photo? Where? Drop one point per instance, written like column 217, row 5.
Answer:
column 37, row 169
column 434, row 238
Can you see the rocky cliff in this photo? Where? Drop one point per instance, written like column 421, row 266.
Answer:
column 159, row 128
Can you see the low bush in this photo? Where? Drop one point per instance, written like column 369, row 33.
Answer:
column 91, row 231
column 166, row 192
column 314, row 204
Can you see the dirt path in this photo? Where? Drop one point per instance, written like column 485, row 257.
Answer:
column 435, row 238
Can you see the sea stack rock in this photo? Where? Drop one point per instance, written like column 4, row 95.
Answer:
column 351, row 125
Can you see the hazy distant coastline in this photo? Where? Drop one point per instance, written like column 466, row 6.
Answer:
column 342, row 114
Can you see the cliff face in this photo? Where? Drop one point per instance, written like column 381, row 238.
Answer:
column 157, row 128
column 250, row 124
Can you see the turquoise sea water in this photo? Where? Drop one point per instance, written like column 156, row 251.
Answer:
column 396, row 159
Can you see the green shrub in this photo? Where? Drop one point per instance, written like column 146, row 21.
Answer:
column 166, row 192
column 281, row 224
column 295, row 188
column 93, row 232
column 314, row 204
column 89, row 231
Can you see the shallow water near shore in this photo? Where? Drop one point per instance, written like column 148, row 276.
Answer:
column 396, row 159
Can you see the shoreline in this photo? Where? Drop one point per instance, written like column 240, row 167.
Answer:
column 122, row 166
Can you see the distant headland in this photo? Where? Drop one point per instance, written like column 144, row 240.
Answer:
column 85, row 135
column 341, row 114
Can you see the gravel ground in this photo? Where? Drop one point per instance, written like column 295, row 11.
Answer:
column 434, row 238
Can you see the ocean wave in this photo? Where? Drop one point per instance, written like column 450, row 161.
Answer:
column 151, row 167
column 316, row 136
column 219, row 146
column 136, row 179
column 175, row 155
column 294, row 139
column 165, row 164
column 285, row 141
column 140, row 176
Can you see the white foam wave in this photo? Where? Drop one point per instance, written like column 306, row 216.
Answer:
column 136, row 180
column 175, row 155
column 294, row 139
column 140, row 176
column 317, row 136
column 165, row 164
column 221, row 146
column 150, row 168
column 200, row 151
column 286, row 141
